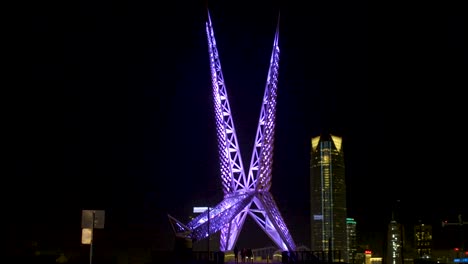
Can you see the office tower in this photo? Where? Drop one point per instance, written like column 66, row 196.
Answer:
column 394, row 243
column 352, row 244
column 423, row 240
column 328, row 197
column 368, row 257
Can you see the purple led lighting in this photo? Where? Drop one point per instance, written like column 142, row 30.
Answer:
column 258, row 179
column 243, row 195
column 232, row 170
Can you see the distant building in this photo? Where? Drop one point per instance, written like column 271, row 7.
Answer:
column 423, row 240
column 351, row 234
column 328, row 198
column 394, row 243
column 376, row 260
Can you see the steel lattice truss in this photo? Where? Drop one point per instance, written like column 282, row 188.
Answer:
column 244, row 194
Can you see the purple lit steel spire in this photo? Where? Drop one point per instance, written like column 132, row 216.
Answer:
column 232, row 170
column 242, row 195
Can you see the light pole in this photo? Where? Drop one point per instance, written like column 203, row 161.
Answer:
column 91, row 242
column 201, row 210
column 208, row 239
column 91, row 220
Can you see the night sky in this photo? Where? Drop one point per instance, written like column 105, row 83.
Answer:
column 115, row 112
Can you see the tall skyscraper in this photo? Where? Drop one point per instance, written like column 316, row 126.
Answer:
column 328, row 198
column 394, row 243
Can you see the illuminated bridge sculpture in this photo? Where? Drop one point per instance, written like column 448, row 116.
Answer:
column 244, row 194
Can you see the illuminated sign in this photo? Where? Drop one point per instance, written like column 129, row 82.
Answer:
column 86, row 236
column 200, row 209
column 318, row 217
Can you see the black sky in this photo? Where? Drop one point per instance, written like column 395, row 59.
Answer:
column 116, row 110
